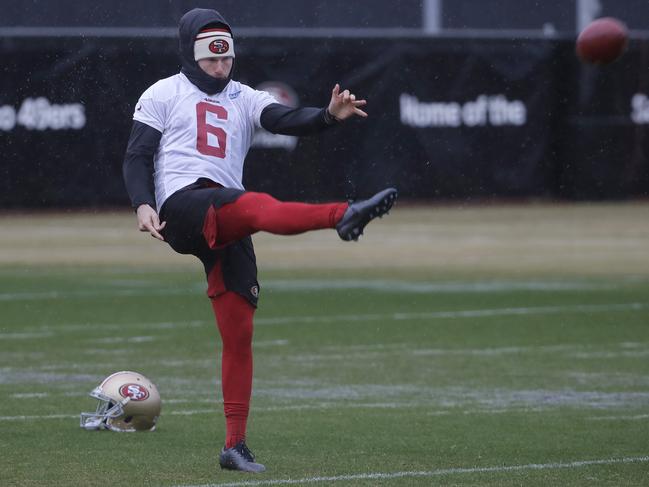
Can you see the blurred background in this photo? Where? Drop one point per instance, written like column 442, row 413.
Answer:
column 469, row 100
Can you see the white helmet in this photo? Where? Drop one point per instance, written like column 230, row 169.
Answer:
column 128, row 401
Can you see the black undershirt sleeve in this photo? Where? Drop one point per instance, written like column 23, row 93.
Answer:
column 138, row 164
column 280, row 119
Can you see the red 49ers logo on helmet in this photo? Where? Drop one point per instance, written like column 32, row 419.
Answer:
column 135, row 391
column 219, row 46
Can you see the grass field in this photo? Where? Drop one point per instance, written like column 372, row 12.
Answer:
column 482, row 346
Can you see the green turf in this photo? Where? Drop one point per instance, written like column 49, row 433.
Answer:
column 362, row 374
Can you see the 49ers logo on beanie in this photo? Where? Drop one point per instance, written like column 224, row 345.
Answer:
column 219, row 46
column 213, row 43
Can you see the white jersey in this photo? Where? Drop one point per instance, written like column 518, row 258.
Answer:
column 202, row 136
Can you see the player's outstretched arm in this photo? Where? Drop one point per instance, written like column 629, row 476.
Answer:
column 344, row 104
column 281, row 119
column 149, row 221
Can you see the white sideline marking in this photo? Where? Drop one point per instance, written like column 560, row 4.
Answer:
column 120, row 339
column 76, row 416
column 477, row 313
column 613, row 355
column 24, row 336
column 323, row 406
column 297, row 285
column 47, row 330
column 391, row 286
column 270, row 343
column 431, row 473
column 620, row 418
column 91, row 294
column 29, row 395
column 29, row 418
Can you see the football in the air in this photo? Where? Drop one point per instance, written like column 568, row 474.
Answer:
column 602, row 41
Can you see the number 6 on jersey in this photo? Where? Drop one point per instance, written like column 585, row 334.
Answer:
column 203, row 129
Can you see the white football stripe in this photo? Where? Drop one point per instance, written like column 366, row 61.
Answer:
column 620, row 418
column 309, row 285
column 36, row 418
column 76, row 416
column 47, row 330
column 324, row 406
column 392, row 286
column 26, row 335
column 431, row 473
column 30, row 296
column 476, row 313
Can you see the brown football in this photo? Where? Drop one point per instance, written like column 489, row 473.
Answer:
column 602, row 41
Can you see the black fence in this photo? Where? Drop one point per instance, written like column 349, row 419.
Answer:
column 449, row 118
column 548, row 15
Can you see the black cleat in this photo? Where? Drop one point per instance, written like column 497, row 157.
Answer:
column 239, row 457
column 360, row 213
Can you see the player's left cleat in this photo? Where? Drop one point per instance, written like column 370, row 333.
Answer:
column 239, row 457
column 360, row 213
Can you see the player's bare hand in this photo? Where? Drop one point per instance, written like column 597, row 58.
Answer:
column 149, row 221
column 344, row 104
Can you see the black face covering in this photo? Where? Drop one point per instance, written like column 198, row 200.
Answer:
column 190, row 25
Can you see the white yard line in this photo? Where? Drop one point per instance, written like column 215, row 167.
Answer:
column 25, row 336
column 477, row 313
column 216, row 409
column 188, row 412
column 431, row 473
column 38, row 417
column 47, row 331
column 636, row 417
column 29, row 395
column 392, row 286
column 31, row 296
column 270, row 343
column 309, row 285
column 300, row 407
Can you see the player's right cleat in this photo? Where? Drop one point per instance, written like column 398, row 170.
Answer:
column 239, row 457
column 360, row 213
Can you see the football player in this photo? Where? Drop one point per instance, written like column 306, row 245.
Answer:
column 183, row 169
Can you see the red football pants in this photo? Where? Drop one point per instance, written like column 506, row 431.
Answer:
column 251, row 213
column 255, row 212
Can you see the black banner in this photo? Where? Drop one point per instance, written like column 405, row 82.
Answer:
column 449, row 118
column 605, row 145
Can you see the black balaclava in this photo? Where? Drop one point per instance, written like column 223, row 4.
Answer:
column 188, row 28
